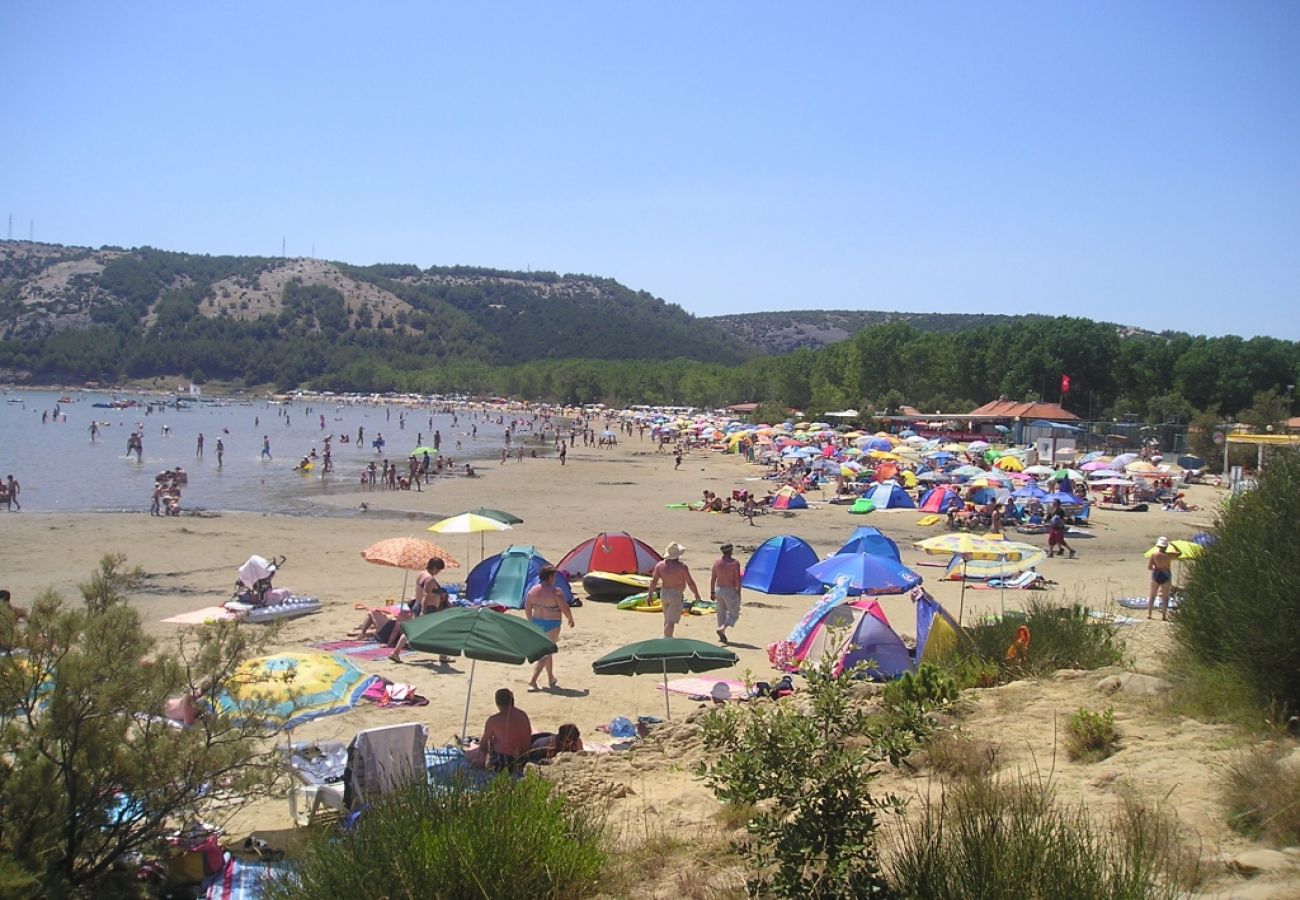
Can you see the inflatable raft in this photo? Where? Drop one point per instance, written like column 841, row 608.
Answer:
column 609, row 587
column 292, row 608
column 642, row 603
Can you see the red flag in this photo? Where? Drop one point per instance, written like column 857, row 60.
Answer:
column 1065, row 384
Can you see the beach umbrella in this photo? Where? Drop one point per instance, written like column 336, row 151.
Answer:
column 1030, row 556
column 479, row 633
column 287, row 689
column 1037, row 471
column 968, row 548
column 1187, row 550
column 866, row 572
column 469, row 523
column 1009, row 464
column 1030, row 492
column 664, row 655
column 409, row 553
column 498, row 514
column 420, row 451
column 968, row 472
column 1123, row 460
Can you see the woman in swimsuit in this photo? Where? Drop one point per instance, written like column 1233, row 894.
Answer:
column 545, row 607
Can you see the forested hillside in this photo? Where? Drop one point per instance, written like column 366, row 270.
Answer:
column 71, row 313
column 781, row 332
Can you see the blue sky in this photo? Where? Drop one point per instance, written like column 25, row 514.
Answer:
column 1134, row 162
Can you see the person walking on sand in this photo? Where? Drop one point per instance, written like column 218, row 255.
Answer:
column 678, row 460
column 1160, row 564
column 1056, row 544
column 544, row 605
column 672, row 577
column 724, row 590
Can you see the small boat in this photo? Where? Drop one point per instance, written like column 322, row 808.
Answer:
column 609, row 587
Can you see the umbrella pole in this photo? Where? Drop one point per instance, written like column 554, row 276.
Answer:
column 464, row 723
column 961, row 603
column 668, row 713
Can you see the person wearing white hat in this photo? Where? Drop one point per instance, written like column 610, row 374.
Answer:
column 1160, row 565
column 672, row 578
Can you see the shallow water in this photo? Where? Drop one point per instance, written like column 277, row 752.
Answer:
column 60, row 469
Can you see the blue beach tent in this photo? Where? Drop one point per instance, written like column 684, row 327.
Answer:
column 780, row 566
column 888, row 495
column 504, row 579
column 869, row 540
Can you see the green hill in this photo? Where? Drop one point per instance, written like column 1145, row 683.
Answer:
column 781, row 332
column 69, row 313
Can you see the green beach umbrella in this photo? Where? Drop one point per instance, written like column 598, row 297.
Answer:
column 500, row 515
column 420, row 451
column 664, row 655
column 477, row 634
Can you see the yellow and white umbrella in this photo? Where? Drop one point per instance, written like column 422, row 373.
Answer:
column 469, row 523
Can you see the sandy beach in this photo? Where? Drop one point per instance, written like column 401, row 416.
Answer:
column 191, row 562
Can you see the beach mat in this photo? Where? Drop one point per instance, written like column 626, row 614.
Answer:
column 244, row 880
column 927, row 521
column 702, row 687
column 201, row 616
column 361, row 649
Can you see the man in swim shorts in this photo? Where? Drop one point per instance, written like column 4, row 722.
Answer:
column 546, row 608
column 1162, row 576
column 672, row 577
column 724, row 590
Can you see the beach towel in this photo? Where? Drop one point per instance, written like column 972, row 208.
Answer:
column 361, row 649
column 244, row 880
column 927, row 521
column 702, row 687
column 201, row 616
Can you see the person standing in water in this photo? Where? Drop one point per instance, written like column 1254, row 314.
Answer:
column 198, row 449
column 266, row 447
column 221, row 451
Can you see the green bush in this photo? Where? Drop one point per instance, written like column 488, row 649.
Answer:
column 511, row 838
column 1013, row 839
column 1061, row 637
column 1262, row 793
column 1241, row 601
column 1091, row 736
column 806, row 774
column 928, row 688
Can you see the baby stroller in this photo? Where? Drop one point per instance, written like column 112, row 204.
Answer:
column 254, row 580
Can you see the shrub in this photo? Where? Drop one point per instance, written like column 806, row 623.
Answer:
column 807, row 775
column 928, row 688
column 1062, row 637
column 1241, row 601
column 511, row 838
column 986, row 839
column 1262, row 792
column 1091, row 736
column 1213, row 693
column 958, row 755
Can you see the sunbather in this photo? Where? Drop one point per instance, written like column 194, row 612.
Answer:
column 507, row 736
column 567, row 740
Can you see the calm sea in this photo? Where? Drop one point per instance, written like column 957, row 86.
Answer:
column 59, row 469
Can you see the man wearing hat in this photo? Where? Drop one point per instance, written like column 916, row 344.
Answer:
column 672, row 577
column 1162, row 576
column 724, row 590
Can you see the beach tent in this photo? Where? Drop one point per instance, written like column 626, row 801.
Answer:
column 780, row 566
column 889, row 495
column 789, row 498
column 853, row 632
column 504, row 579
column 866, row 539
column 937, row 632
column 609, row 551
column 940, row 500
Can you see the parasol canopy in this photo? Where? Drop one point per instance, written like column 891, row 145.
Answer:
column 664, row 655
column 287, row 689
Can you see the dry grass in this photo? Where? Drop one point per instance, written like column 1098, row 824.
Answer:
column 1262, row 792
column 955, row 754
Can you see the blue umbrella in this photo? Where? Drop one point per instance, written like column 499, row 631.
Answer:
column 867, row 573
column 1030, row 492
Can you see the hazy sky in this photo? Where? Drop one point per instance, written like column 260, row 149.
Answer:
column 1135, row 162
